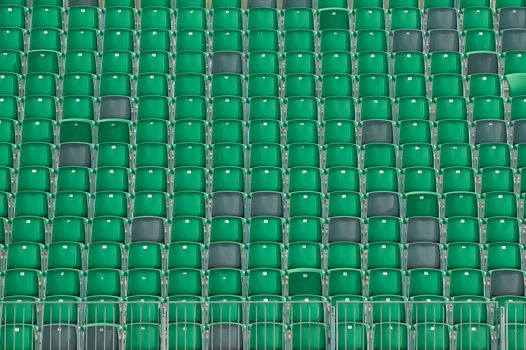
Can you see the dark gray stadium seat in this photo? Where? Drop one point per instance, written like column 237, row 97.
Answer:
column 251, row 4
column 59, row 337
column 147, row 229
column 506, row 282
column 423, row 229
column 228, row 204
column 519, row 131
column 408, row 40
column 93, row 3
column 423, row 255
column 483, row 62
column 224, row 254
column 345, row 229
column 383, row 204
column 75, row 154
column 226, row 336
column 101, row 337
column 490, row 131
column 227, row 62
column 513, row 40
column 115, row 107
column 512, row 18
column 374, row 131
column 443, row 40
column 266, row 204
column 287, row 4
column 441, row 18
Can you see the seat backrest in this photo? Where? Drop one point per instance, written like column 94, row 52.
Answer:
column 101, row 337
column 377, row 131
column 423, row 229
column 513, row 40
column 383, row 204
column 228, row 204
column 147, row 229
column 423, row 255
column 59, row 337
column 226, row 336
column 490, row 131
column 345, row 229
column 441, row 18
column 75, row 154
column 266, row 204
column 512, row 18
column 224, row 255
column 483, row 62
column 115, row 107
column 227, row 62
column 408, row 40
column 287, row 4
column 443, row 40
column 507, row 282
column 93, row 3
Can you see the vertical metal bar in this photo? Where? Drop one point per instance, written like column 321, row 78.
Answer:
column 332, row 328
column 503, row 320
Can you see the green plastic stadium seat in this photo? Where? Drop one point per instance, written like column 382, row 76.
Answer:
column 336, row 62
column 476, row 335
column 371, row 40
column 484, row 85
column 80, row 62
column 185, row 255
column 407, row 62
column 28, row 229
column 34, row 179
column 119, row 18
column 298, row 18
column 480, row 40
column 83, row 17
column 477, row 18
column 405, row 18
column 12, row 39
column 421, row 204
column 334, row 19
column 120, row 40
column 191, row 18
column 159, row 40
column 24, row 255
column 419, row 179
column 156, row 17
column 82, row 39
column 263, row 18
column 447, row 85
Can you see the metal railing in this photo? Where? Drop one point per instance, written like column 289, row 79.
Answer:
column 424, row 325
column 266, row 324
column 513, row 323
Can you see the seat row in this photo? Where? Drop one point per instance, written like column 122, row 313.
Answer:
column 229, row 283
column 264, row 229
column 265, row 62
column 261, row 335
column 260, row 109
column 263, row 40
column 34, row 154
column 375, row 179
column 314, row 335
column 264, row 3
column 297, row 254
column 485, row 131
column 260, row 18
column 268, row 85
column 307, row 203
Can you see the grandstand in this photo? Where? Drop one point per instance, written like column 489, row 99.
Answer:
column 262, row 174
